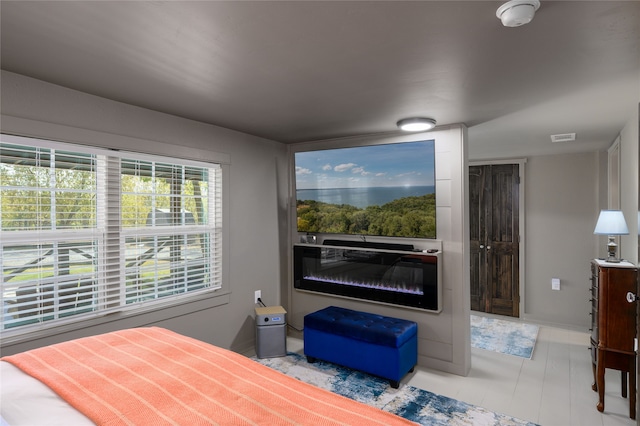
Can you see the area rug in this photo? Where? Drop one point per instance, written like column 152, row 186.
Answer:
column 507, row 337
column 413, row 404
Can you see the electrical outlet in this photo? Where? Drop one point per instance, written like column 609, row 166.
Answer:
column 555, row 283
column 257, row 295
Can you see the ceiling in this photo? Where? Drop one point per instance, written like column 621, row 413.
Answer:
column 305, row 70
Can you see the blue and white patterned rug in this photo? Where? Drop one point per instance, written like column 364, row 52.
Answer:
column 414, row 404
column 507, row 337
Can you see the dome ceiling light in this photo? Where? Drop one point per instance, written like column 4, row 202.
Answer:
column 517, row 12
column 416, row 124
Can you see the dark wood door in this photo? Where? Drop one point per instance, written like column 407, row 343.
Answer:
column 495, row 241
column 477, row 231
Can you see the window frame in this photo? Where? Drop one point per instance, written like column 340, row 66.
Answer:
column 120, row 309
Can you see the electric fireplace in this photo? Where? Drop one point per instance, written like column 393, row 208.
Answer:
column 405, row 278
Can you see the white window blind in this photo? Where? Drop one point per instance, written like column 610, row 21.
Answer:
column 85, row 231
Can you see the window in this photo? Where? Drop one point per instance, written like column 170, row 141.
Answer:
column 85, row 231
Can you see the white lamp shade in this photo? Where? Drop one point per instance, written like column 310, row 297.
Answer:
column 611, row 222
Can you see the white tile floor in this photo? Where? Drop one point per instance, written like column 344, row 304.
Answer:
column 552, row 388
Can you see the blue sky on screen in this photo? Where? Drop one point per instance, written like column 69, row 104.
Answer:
column 398, row 164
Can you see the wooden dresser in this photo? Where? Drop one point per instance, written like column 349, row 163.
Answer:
column 613, row 326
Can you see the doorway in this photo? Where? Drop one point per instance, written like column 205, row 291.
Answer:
column 494, row 217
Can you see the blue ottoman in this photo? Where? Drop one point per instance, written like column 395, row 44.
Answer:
column 383, row 346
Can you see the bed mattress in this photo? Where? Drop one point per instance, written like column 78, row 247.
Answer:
column 155, row 376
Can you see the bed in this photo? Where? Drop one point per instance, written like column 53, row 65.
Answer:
column 155, row 376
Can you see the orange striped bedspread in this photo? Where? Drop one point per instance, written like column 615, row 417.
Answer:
column 155, row 376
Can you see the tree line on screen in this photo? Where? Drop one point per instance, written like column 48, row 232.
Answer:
column 404, row 217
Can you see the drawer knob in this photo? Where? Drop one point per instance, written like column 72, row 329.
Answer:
column 631, row 297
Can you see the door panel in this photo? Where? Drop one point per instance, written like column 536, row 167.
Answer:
column 477, row 235
column 494, row 221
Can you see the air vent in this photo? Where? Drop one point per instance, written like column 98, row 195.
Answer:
column 565, row 137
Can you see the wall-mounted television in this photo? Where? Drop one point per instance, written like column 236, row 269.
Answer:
column 376, row 190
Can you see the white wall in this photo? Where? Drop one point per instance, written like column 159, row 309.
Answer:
column 564, row 195
column 257, row 256
column 443, row 338
column 561, row 209
column 629, row 203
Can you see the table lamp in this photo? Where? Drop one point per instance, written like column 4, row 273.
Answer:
column 611, row 223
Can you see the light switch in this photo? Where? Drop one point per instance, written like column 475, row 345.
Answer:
column 555, row 283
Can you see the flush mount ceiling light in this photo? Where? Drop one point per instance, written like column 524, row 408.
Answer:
column 416, row 124
column 517, row 12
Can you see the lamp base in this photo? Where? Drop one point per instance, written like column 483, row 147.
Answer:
column 612, row 247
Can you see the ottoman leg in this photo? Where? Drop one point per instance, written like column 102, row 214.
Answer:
column 394, row 384
column 311, row 359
